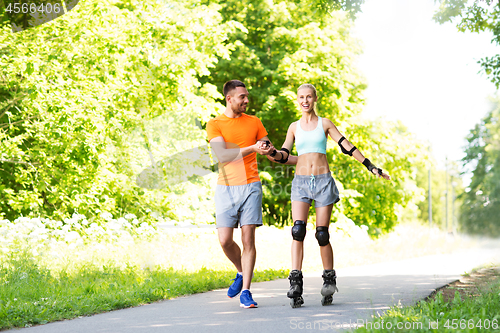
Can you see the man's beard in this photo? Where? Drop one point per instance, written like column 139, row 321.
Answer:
column 239, row 109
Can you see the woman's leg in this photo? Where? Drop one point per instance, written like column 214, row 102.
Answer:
column 323, row 217
column 300, row 210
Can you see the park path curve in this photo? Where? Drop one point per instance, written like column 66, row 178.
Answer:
column 364, row 291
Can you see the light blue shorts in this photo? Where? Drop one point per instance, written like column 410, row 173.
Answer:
column 320, row 188
column 238, row 204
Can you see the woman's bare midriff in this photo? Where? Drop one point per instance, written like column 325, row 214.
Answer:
column 312, row 164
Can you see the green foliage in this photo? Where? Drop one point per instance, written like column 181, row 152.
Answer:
column 73, row 90
column 467, row 315
column 475, row 16
column 108, row 93
column 352, row 7
column 4, row 19
column 32, row 295
column 379, row 204
column 481, row 201
column 448, row 9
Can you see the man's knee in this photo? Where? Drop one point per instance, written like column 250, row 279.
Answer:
column 248, row 246
column 226, row 242
column 323, row 236
column 299, row 230
column 248, row 236
column 226, row 237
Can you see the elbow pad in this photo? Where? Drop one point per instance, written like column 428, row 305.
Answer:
column 345, row 151
column 284, row 160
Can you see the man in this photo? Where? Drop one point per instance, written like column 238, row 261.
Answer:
column 235, row 138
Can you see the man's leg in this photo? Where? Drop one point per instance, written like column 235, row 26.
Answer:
column 230, row 247
column 249, row 253
column 250, row 218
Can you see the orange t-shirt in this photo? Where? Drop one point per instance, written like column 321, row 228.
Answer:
column 237, row 133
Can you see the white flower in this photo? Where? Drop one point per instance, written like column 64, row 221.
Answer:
column 107, row 216
column 71, row 236
column 113, row 226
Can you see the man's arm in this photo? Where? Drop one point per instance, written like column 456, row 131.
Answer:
column 227, row 154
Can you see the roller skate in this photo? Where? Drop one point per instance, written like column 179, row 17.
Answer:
column 329, row 286
column 295, row 292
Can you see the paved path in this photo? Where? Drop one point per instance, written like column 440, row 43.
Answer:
column 364, row 291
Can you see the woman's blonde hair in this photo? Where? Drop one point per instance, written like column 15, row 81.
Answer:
column 313, row 88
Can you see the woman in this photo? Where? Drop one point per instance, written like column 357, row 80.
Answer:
column 313, row 181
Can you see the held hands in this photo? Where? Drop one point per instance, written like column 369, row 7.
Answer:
column 263, row 148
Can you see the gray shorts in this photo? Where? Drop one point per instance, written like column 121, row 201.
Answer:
column 320, row 188
column 240, row 203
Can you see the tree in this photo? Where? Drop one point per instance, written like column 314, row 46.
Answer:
column 481, row 201
column 475, row 16
column 75, row 90
column 352, row 7
column 104, row 97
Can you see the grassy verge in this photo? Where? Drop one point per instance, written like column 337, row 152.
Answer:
column 31, row 294
column 475, row 311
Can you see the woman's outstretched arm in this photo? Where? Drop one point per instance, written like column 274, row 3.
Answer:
column 283, row 155
column 349, row 149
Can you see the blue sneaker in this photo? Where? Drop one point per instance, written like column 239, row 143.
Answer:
column 236, row 286
column 246, row 300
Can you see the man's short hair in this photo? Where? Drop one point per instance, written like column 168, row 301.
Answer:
column 231, row 85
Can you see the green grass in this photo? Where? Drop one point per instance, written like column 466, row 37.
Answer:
column 30, row 294
column 467, row 315
column 57, row 279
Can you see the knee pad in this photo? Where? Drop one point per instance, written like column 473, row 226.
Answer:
column 299, row 230
column 323, row 236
